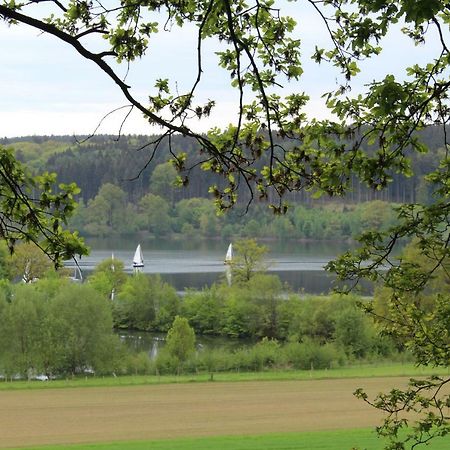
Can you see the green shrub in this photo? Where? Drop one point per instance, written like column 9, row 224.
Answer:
column 215, row 360
column 166, row 364
column 140, row 364
column 310, row 355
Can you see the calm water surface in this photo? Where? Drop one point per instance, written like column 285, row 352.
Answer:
column 195, row 264
column 152, row 343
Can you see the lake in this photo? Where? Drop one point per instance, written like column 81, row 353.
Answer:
column 195, row 264
column 152, row 343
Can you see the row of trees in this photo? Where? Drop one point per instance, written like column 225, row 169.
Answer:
column 109, row 212
column 56, row 327
column 249, row 303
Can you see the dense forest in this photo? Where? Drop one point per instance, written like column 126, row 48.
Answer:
column 130, row 163
column 128, row 185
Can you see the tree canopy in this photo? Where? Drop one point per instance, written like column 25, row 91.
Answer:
column 261, row 53
column 274, row 147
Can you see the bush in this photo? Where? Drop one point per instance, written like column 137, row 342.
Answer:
column 215, row 360
column 166, row 364
column 310, row 355
column 139, row 364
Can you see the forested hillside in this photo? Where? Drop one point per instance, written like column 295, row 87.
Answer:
column 130, row 161
column 127, row 186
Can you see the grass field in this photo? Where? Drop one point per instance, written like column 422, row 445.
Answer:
column 360, row 371
column 325, row 440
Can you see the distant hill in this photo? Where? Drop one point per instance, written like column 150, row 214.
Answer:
column 129, row 162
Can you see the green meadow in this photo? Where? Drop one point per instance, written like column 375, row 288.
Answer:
column 328, row 440
column 356, row 371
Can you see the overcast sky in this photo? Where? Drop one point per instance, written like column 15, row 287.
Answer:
column 47, row 88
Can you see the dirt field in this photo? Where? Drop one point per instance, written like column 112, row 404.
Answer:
column 63, row 416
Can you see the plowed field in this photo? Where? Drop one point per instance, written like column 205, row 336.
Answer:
column 63, row 416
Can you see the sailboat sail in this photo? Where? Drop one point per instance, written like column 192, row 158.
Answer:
column 229, row 255
column 138, row 260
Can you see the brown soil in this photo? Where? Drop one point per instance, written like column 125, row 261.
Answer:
column 63, row 416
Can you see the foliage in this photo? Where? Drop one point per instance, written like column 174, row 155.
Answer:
column 260, row 52
column 162, row 181
column 155, row 215
column 145, row 303
column 134, row 306
column 5, row 266
column 101, row 160
column 248, row 259
column 35, row 209
column 55, row 327
column 204, row 310
column 29, row 263
column 108, row 277
column 197, row 217
column 180, row 340
column 107, row 212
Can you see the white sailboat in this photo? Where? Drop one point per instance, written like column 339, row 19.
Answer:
column 229, row 255
column 138, row 259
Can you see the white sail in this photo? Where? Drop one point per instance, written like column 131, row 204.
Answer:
column 138, row 260
column 229, row 255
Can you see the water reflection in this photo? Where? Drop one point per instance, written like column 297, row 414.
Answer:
column 152, row 343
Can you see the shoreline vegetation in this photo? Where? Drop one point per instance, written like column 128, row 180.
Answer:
column 57, row 329
column 54, row 328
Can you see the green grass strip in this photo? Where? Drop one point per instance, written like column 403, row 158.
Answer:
column 360, row 371
column 323, row 440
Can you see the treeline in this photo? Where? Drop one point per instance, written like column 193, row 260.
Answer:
column 130, row 163
column 259, row 308
column 110, row 213
column 54, row 326
column 253, row 305
column 58, row 328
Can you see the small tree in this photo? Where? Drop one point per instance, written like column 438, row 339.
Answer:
column 248, row 260
column 29, row 262
column 108, row 277
column 180, row 341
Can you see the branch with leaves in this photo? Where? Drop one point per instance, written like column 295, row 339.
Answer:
column 35, row 209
